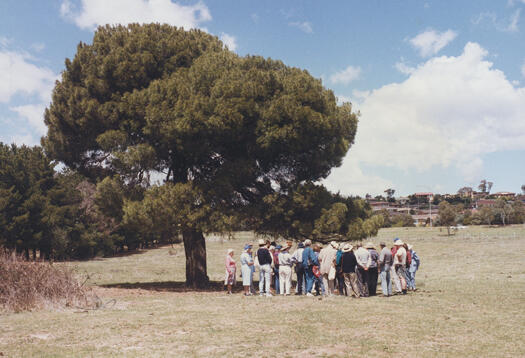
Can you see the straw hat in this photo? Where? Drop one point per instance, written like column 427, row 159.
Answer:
column 347, row 248
column 399, row 243
column 369, row 245
column 229, row 251
column 410, row 247
column 334, row 244
column 307, row 242
column 261, row 242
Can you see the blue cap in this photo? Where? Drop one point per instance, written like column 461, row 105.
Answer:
column 301, row 245
column 247, row 246
column 278, row 247
column 396, row 239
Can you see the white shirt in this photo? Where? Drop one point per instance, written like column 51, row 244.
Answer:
column 285, row 259
column 400, row 256
column 362, row 256
column 298, row 255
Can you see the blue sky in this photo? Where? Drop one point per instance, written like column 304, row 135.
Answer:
column 440, row 84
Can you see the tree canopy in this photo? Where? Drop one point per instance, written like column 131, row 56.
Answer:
column 146, row 99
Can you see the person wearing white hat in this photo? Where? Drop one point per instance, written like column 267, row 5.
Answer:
column 265, row 268
column 400, row 265
column 247, row 268
column 309, row 261
column 327, row 261
column 372, row 269
column 348, row 266
column 285, row 271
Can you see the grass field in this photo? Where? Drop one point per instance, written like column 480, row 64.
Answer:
column 470, row 303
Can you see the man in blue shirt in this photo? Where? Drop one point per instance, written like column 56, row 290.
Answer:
column 309, row 260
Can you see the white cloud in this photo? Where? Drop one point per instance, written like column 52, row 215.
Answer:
column 514, row 19
column 38, row 46
column 34, row 114
column 346, row 76
column 404, row 68
column 506, row 25
column 19, row 76
column 430, row 42
column 101, row 12
column 304, row 26
column 350, row 179
column 229, row 41
column 448, row 113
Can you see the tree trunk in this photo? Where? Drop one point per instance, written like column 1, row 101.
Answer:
column 195, row 249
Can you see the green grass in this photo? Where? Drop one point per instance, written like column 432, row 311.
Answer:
column 470, row 303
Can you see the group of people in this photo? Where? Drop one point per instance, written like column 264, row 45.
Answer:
column 341, row 269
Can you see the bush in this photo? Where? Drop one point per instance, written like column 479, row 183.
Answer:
column 26, row 285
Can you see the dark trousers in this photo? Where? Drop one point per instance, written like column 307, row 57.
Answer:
column 372, row 281
column 340, row 281
column 299, row 270
column 362, row 278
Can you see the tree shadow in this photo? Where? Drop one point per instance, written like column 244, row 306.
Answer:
column 174, row 286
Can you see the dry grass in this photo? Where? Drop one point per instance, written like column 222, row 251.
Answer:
column 26, row 285
column 470, row 303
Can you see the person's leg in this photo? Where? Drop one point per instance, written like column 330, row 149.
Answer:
column 309, row 278
column 261, row 280
column 288, row 280
column 282, row 276
column 409, row 280
column 267, row 278
column 300, row 279
column 389, row 282
column 277, row 285
column 348, row 285
column 384, row 284
column 354, row 282
column 395, row 278
column 400, row 272
column 413, row 276
column 372, row 281
column 325, row 284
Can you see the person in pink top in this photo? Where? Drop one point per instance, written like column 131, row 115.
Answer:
column 230, row 271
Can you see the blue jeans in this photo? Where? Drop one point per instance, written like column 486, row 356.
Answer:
column 411, row 279
column 386, row 284
column 309, row 278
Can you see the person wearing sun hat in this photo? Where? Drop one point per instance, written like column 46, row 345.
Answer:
column 385, row 262
column 400, row 258
column 327, row 261
column 285, row 271
column 395, row 278
column 247, row 268
column 348, row 266
column 297, row 258
column 265, row 268
column 414, row 266
column 372, row 268
column 309, row 261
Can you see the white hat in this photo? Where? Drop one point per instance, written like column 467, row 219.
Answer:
column 399, row 243
column 334, row 245
column 307, row 242
column 229, row 251
column 347, row 248
column 271, row 247
column 410, row 247
column 261, row 242
column 369, row 245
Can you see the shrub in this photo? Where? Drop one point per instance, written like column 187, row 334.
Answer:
column 26, row 285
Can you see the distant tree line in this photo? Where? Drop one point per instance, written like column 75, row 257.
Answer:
column 63, row 215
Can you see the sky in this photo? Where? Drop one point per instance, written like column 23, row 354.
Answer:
column 439, row 85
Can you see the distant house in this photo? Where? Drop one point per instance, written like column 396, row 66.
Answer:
column 504, row 194
column 424, row 219
column 485, row 202
column 378, row 205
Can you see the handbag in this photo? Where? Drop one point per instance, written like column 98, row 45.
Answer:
column 316, row 271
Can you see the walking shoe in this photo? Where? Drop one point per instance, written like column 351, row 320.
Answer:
column 269, row 295
column 309, row 294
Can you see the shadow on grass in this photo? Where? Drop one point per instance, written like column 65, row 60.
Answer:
column 173, row 286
